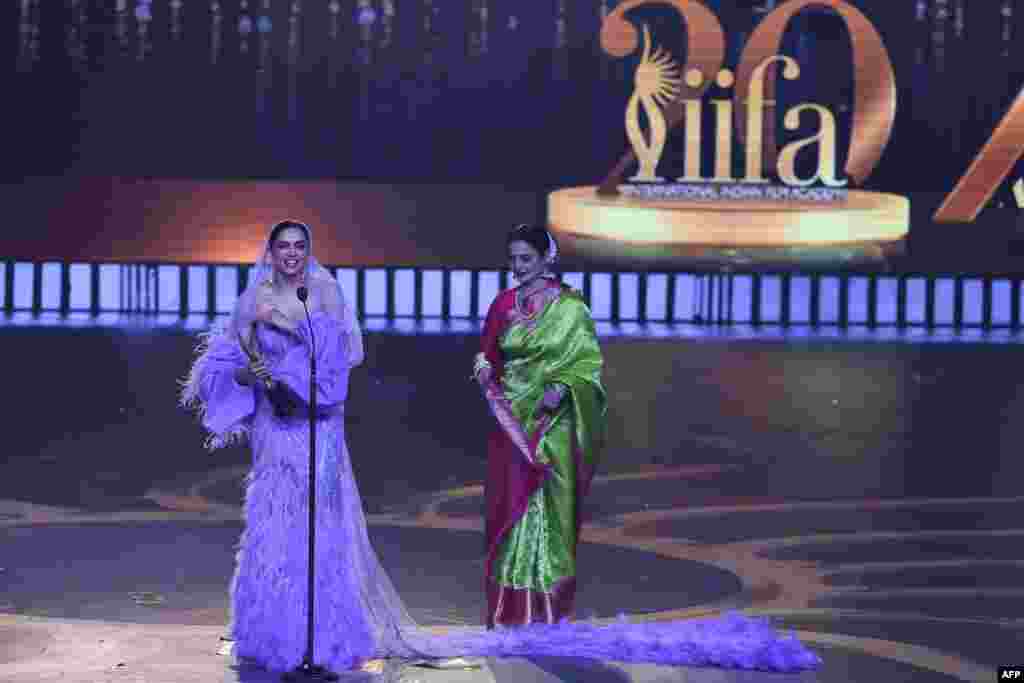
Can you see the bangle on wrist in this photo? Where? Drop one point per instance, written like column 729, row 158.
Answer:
column 479, row 363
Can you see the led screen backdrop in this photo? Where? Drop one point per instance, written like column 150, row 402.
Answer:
column 186, row 221
column 422, row 130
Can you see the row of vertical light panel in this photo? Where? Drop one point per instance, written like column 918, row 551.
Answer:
column 407, row 292
column 19, row 292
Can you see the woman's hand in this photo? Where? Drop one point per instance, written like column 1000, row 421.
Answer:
column 280, row 320
column 482, row 370
column 553, row 396
column 244, row 377
column 256, row 371
column 268, row 312
column 259, row 370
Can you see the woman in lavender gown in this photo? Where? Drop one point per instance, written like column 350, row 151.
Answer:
column 251, row 379
column 263, row 396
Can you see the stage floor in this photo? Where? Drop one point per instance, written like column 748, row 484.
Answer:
column 864, row 494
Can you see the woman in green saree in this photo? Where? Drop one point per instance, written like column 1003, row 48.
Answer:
column 540, row 369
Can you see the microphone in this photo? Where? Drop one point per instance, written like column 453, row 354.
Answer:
column 307, row 671
column 303, row 294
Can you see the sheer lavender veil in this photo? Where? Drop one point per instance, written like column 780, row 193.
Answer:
column 395, row 633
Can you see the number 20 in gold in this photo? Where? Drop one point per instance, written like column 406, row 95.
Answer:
column 989, row 169
column 874, row 92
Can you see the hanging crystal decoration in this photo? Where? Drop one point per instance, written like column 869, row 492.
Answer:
column 294, row 24
column 921, row 11
column 473, row 48
column 24, row 33
column 143, row 16
column 263, row 27
column 561, row 57
column 121, row 24
column 473, row 44
column 176, row 6
column 429, row 42
column 478, row 38
column 294, row 19
column 959, row 19
column 34, row 40
column 334, row 7
column 28, row 52
column 485, row 20
column 920, row 18
column 216, row 19
column 76, row 21
column 244, row 27
column 1007, row 16
column 939, row 27
column 387, row 22
column 334, row 10
column 366, row 16
column 561, row 26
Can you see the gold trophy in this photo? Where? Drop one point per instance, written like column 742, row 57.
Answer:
column 254, row 356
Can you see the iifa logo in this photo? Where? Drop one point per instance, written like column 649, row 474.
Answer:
column 670, row 96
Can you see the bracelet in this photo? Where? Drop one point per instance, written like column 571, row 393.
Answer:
column 479, row 363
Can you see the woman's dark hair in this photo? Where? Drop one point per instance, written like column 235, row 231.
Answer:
column 284, row 225
column 534, row 235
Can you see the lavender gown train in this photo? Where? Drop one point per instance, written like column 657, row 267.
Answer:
column 359, row 614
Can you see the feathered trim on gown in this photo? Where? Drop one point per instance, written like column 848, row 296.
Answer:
column 732, row 641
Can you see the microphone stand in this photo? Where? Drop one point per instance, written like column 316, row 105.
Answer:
column 307, row 670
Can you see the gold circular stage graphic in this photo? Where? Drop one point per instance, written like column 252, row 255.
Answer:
column 866, row 227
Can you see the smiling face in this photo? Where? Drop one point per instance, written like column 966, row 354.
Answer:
column 290, row 252
column 525, row 262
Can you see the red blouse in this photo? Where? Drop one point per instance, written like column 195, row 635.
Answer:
column 500, row 315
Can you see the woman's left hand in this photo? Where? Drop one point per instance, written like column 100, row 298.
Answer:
column 552, row 398
column 282, row 321
column 272, row 315
column 259, row 369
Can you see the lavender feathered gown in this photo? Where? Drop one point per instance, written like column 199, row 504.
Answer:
column 358, row 612
column 359, row 615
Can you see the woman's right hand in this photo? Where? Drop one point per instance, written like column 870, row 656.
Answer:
column 256, row 371
column 244, row 377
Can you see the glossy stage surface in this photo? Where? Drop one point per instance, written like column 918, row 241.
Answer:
column 861, row 490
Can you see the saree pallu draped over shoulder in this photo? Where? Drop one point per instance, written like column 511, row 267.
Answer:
column 540, row 463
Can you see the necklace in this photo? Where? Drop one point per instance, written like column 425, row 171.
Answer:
column 522, row 298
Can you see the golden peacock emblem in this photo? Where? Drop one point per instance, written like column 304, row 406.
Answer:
column 656, row 84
